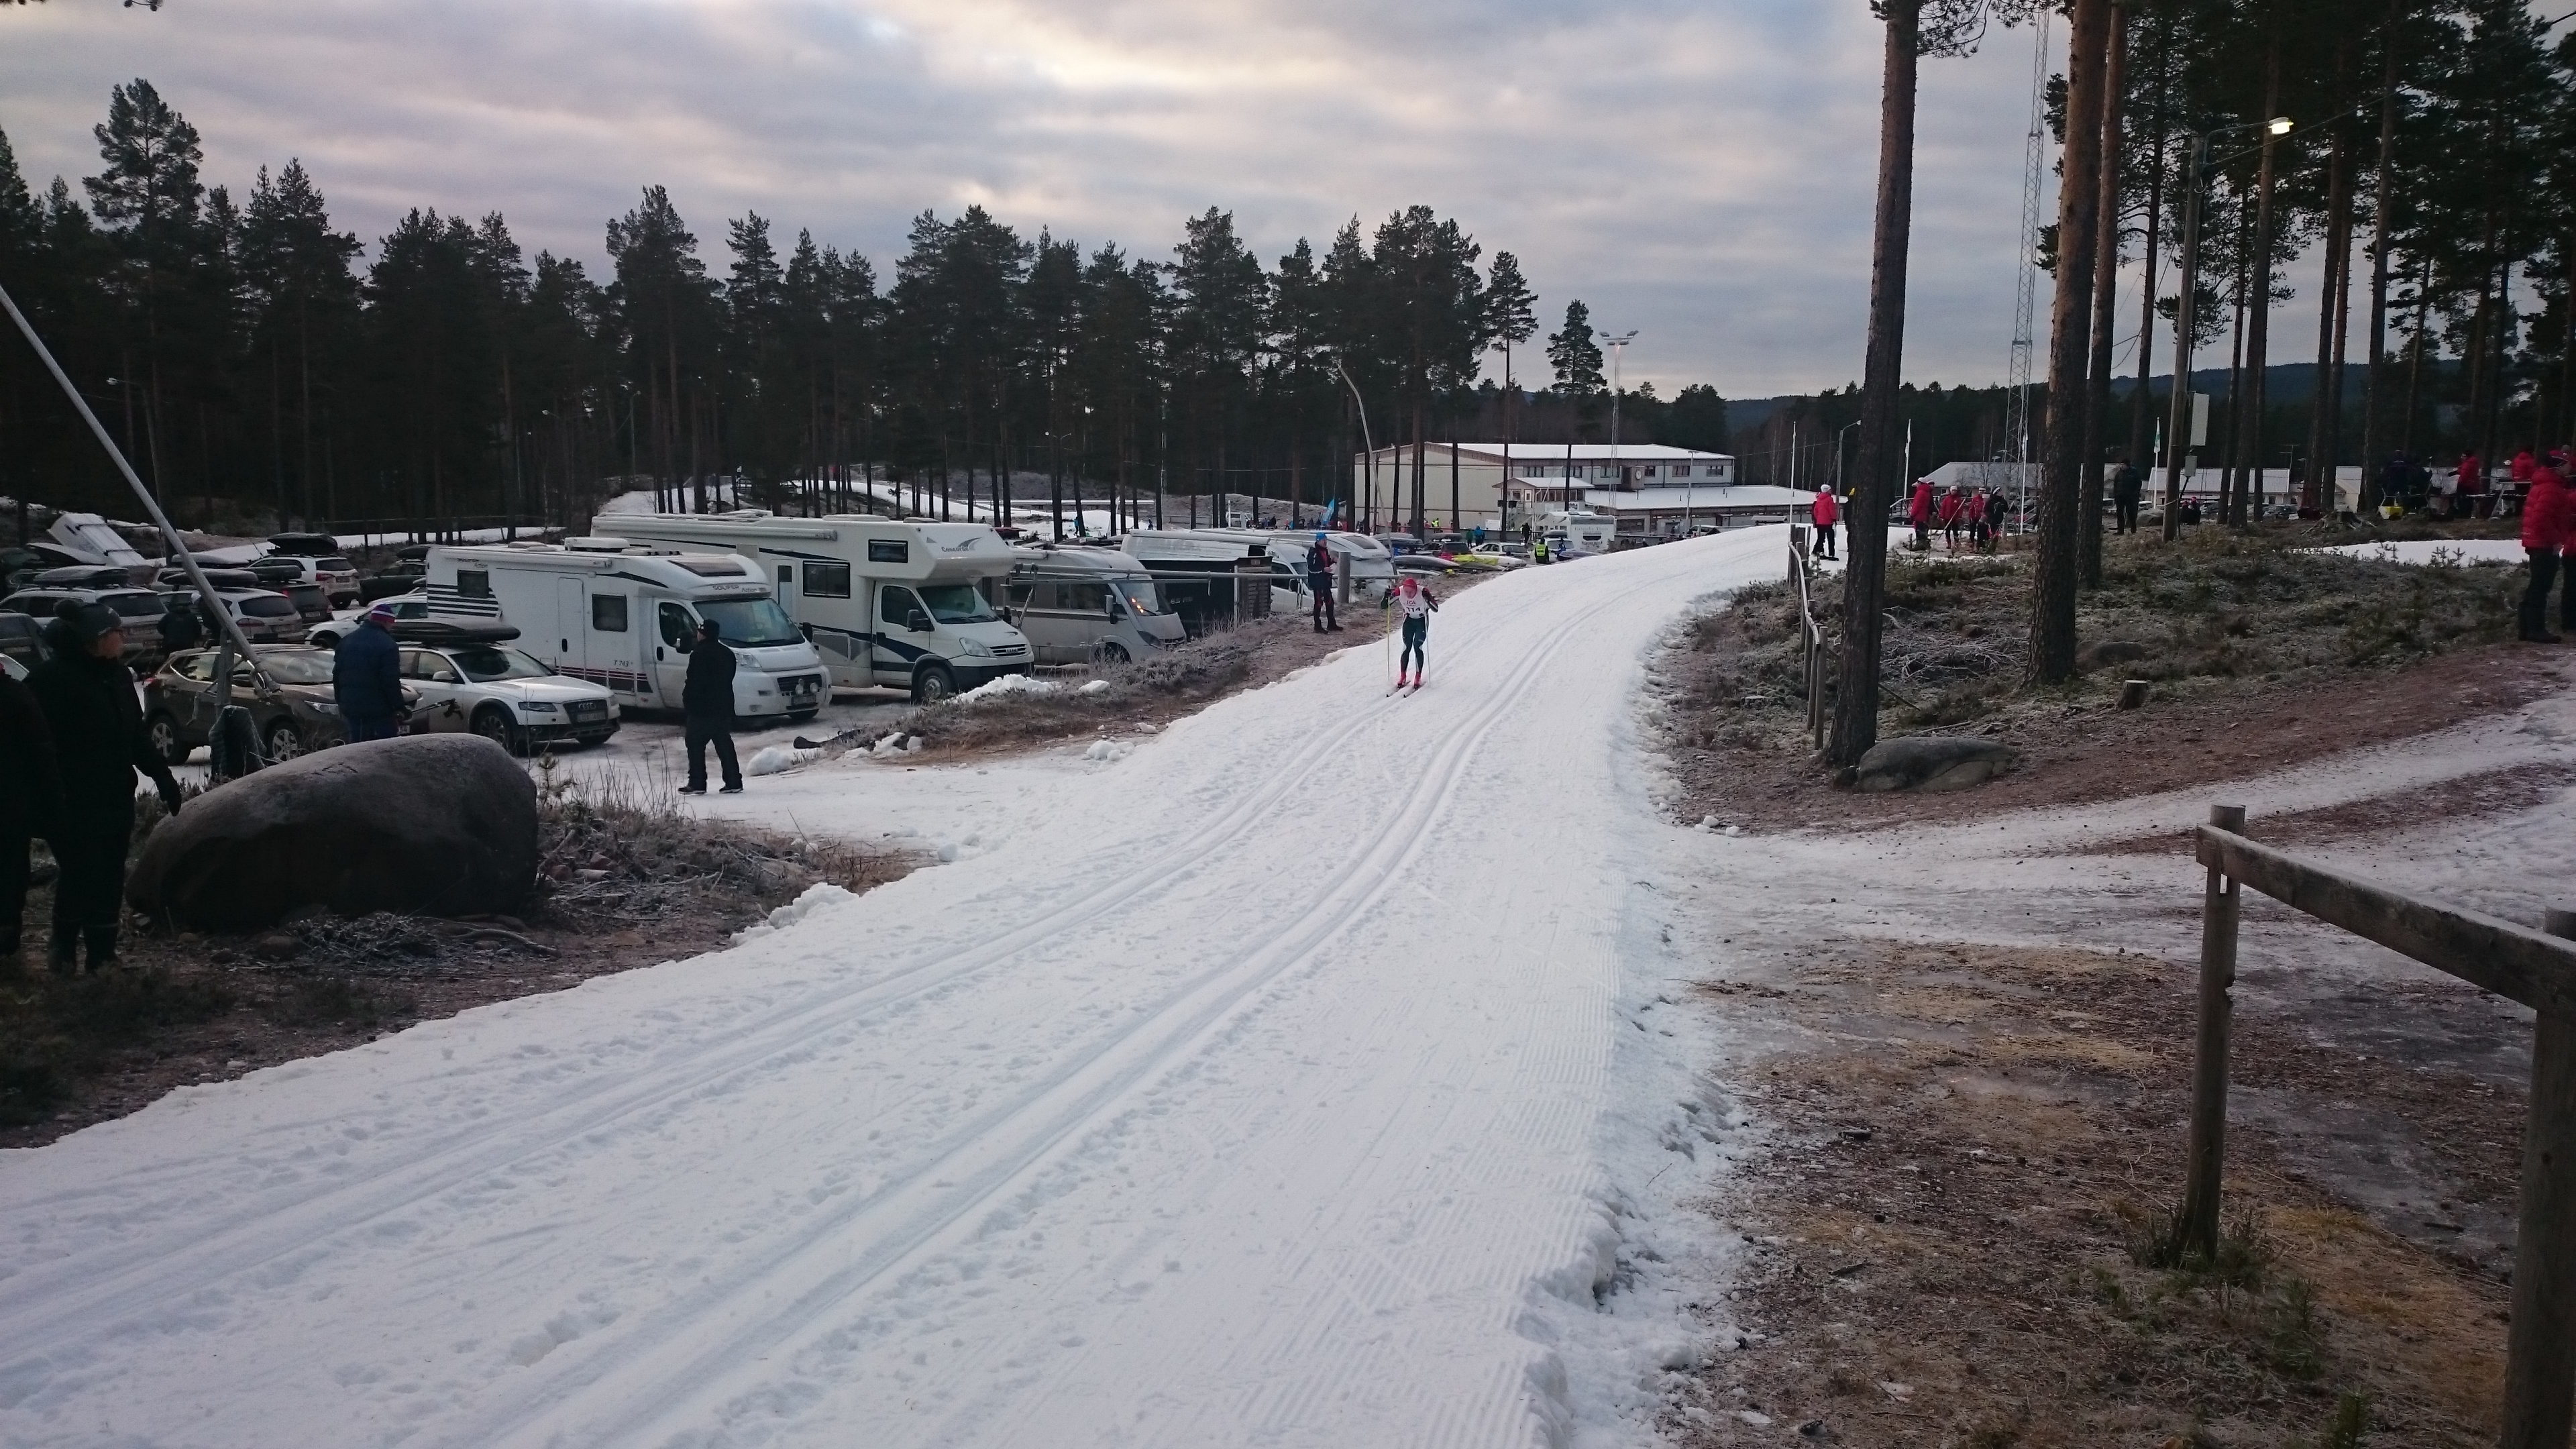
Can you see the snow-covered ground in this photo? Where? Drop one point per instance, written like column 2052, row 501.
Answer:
column 2436, row 551
column 1312, row 1074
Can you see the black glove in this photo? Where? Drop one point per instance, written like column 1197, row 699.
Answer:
column 170, row 798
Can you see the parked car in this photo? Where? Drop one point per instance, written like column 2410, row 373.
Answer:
column 177, row 578
column 408, row 609
column 20, row 566
column 22, row 643
column 335, row 576
column 505, row 695
column 312, row 605
column 265, row 616
column 140, row 609
column 85, row 576
column 304, row 545
column 399, row 578
column 179, row 708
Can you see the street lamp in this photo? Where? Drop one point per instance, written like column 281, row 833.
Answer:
column 2185, row 323
column 1368, row 519
column 1838, row 458
column 1618, row 348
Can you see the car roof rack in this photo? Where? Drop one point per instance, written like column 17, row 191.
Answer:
column 441, row 631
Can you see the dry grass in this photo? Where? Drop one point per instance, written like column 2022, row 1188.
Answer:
column 1963, row 1233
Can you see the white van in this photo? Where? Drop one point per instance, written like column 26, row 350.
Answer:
column 1082, row 604
column 906, row 605
column 625, row 616
column 1578, row 533
column 1176, row 554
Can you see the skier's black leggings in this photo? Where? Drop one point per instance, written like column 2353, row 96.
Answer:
column 1415, row 629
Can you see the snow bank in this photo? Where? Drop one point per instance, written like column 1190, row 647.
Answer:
column 1006, row 686
column 2437, row 552
column 778, row 760
column 815, row 898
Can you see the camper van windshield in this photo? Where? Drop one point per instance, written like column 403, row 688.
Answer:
column 955, row 604
column 750, row 623
column 1142, row 595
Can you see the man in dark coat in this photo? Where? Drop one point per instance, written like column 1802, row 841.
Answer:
column 87, row 695
column 1319, row 581
column 2126, row 486
column 707, row 699
column 366, row 677
column 30, row 781
column 180, row 630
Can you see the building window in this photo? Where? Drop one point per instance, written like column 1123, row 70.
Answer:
column 1681, row 470
column 1646, row 472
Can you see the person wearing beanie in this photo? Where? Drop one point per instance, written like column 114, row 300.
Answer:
column 1319, row 582
column 90, row 709
column 706, row 702
column 366, row 677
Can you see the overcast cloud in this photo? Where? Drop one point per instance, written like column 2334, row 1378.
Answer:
column 1702, row 172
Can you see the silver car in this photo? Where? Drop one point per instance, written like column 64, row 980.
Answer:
column 505, row 695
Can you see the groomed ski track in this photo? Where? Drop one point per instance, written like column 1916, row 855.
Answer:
column 1250, row 1093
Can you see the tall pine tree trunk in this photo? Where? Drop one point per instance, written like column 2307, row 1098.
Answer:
column 2140, row 439
column 2106, row 295
column 2258, row 334
column 1865, row 576
column 2054, row 575
column 2383, row 187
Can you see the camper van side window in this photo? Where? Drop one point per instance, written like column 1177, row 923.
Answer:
column 473, row 584
column 827, row 580
column 1086, row 597
column 608, row 613
column 677, row 628
column 888, row 550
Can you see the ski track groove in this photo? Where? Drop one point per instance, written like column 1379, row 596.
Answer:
column 662, row 1370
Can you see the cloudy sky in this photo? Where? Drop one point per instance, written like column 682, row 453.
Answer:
column 1700, row 170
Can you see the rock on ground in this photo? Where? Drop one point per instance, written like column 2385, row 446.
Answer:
column 1930, row 764
column 440, row 824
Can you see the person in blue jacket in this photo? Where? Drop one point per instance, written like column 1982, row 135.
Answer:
column 1319, row 582
column 366, row 677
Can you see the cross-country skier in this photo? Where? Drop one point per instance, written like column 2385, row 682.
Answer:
column 1418, row 605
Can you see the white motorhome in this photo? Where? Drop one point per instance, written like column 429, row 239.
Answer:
column 626, row 616
column 1579, row 532
column 894, row 603
column 1077, row 603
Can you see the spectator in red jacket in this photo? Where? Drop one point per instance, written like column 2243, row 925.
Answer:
column 2546, row 518
column 1953, row 512
column 1827, row 512
column 1920, row 515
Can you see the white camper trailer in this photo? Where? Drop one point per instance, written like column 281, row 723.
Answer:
column 1079, row 603
column 626, row 617
column 1580, row 532
column 901, row 604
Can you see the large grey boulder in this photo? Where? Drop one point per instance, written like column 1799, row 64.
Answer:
column 1930, row 763
column 439, row 824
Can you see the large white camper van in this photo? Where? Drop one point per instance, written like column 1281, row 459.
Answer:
column 1181, row 557
column 887, row 602
column 626, row 616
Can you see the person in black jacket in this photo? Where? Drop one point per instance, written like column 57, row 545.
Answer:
column 87, row 696
column 29, row 784
column 179, row 627
column 366, row 677
column 707, row 699
column 1319, row 578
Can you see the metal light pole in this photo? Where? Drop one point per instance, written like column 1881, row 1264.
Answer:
column 2178, row 425
column 1618, row 349
column 1368, row 519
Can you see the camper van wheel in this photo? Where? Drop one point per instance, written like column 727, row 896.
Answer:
column 933, row 684
column 1109, row 651
column 493, row 723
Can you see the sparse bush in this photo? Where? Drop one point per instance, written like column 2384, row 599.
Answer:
column 338, row 1001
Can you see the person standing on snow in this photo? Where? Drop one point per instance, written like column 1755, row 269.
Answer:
column 1826, row 513
column 1919, row 513
column 706, row 700
column 87, row 695
column 1319, row 582
column 366, row 677
column 2545, row 519
column 1418, row 605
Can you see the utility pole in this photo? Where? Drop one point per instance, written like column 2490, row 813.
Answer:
column 1618, row 346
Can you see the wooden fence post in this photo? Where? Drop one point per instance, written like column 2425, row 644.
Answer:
column 2540, row 1359
column 2218, row 908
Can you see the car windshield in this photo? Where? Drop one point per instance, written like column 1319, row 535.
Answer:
column 266, row 606
column 1142, row 595
column 750, row 623
column 135, row 606
column 956, row 604
column 487, row 664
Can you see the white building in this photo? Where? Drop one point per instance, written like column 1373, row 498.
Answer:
column 1500, row 488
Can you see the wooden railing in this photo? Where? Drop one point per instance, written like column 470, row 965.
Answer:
column 2536, row 968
